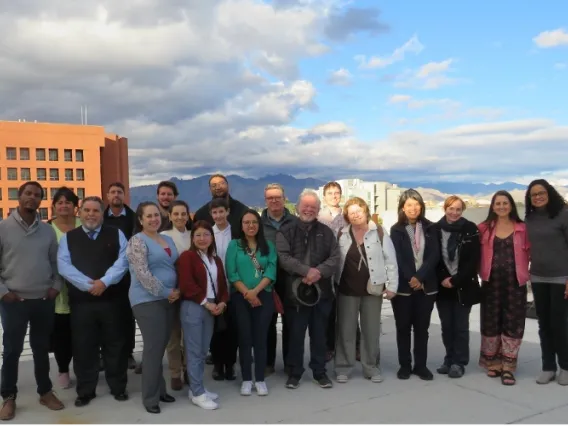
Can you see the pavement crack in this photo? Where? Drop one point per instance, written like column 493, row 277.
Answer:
column 530, row 416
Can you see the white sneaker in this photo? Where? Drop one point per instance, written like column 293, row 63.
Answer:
column 211, row 395
column 342, row 378
column 261, row 388
column 246, row 388
column 204, row 402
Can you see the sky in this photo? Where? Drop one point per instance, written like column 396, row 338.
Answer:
column 421, row 91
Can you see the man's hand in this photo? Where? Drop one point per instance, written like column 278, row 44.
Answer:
column 174, row 296
column 312, row 277
column 389, row 294
column 98, row 288
column 11, row 297
column 415, row 284
column 219, row 309
column 447, row 282
column 51, row 294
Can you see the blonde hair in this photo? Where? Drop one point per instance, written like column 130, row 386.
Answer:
column 356, row 201
column 275, row 186
column 451, row 200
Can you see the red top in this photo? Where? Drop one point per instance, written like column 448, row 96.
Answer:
column 192, row 278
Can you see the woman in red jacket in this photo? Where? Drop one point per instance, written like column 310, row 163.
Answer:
column 203, row 291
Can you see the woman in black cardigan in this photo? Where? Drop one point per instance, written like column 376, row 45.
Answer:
column 459, row 283
column 417, row 249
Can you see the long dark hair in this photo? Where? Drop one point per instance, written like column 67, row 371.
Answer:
column 203, row 224
column 492, row 216
column 410, row 194
column 140, row 214
column 555, row 201
column 261, row 243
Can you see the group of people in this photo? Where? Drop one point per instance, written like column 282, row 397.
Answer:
column 214, row 286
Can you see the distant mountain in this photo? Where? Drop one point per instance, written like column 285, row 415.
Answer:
column 249, row 191
column 465, row 188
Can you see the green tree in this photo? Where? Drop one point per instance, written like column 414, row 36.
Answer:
column 291, row 207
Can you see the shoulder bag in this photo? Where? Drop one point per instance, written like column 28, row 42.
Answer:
column 277, row 302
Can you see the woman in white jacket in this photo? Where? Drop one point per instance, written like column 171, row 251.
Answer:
column 367, row 271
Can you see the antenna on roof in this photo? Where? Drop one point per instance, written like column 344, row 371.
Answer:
column 86, row 121
column 82, row 114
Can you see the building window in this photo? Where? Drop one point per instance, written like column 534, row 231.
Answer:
column 81, row 193
column 41, row 174
column 79, row 155
column 12, row 173
column 12, row 194
column 53, row 155
column 24, row 154
column 44, row 198
column 11, row 154
column 43, row 213
column 53, row 174
column 80, row 174
column 25, row 174
column 52, row 192
column 68, row 155
column 40, row 154
column 68, row 174
column 1, row 213
column 0, row 194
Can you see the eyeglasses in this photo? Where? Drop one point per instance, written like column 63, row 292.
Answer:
column 539, row 194
column 204, row 235
column 218, row 185
column 250, row 222
column 273, row 198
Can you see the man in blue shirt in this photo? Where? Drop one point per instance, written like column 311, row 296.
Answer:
column 92, row 259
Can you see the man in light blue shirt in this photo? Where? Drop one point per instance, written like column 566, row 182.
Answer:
column 92, row 259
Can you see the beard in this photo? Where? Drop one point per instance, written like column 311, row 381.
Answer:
column 223, row 194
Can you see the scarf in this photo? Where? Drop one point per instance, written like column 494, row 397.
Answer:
column 455, row 230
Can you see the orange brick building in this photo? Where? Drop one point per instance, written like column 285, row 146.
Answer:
column 81, row 157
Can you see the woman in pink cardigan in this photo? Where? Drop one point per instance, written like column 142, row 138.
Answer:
column 504, row 271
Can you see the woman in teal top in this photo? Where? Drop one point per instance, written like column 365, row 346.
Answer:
column 251, row 269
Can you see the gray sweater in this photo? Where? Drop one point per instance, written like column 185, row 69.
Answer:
column 549, row 246
column 28, row 258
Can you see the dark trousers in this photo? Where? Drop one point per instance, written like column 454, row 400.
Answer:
column 16, row 316
column 413, row 313
column 97, row 325
column 224, row 343
column 61, row 342
column 552, row 311
column 129, row 325
column 253, row 326
column 314, row 319
column 273, row 340
column 455, row 331
column 332, row 330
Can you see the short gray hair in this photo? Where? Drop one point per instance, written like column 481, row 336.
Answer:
column 308, row 193
column 94, row 199
column 275, row 186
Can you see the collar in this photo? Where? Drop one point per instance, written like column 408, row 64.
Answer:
column 216, row 229
column 96, row 231
column 122, row 212
column 23, row 223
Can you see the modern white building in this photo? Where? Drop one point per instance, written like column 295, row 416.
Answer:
column 380, row 196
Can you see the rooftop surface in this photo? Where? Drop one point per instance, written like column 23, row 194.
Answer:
column 474, row 398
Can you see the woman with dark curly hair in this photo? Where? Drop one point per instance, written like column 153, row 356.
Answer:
column 547, row 225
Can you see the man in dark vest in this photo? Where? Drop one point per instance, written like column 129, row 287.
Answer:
column 92, row 259
column 119, row 215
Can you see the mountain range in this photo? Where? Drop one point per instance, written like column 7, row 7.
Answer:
column 251, row 191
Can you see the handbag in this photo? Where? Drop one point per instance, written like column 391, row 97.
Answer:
column 278, row 306
column 220, row 320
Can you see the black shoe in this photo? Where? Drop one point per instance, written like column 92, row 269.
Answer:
column 423, row 373
column 323, row 381
column 456, row 371
column 167, row 398
column 218, row 373
column 82, row 401
column 230, row 373
column 121, row 396
column 293, row 382
column 403, row 373
column 154, row 410
column 444, row 369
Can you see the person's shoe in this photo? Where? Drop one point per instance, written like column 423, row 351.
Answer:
column 82, row 401
column 342, row 378
column 123, row 396
column 50, row 401
column 375, row 378
column 154, row 410
column 8, row 410
column 138, row 370
column 562, row 378
column 131, row 363
column 209, row 359
column 423, row 373
column 323, row 381
column 444, row 369
column 246, row 388
column 230, row 373
column 261, row 388
column 218, row 373
column 168, row 399
column 456, row 371
column 64, row 380
column 404, row 373
column 545, row 377
column 269, row 370
column 176, row 384
column 293, row 382
column 204, row 402
column 211, row 395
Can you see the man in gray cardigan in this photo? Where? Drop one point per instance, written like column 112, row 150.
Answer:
column 29, row 284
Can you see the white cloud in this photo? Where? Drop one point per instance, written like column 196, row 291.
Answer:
column 397, row 99
column 340, row 77
column 411, row 46
column 561, row 66
column 430, row 76
column 553, row 38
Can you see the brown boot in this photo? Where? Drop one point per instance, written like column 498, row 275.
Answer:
column 176, row 384
column 8, row 410
column 51, row 401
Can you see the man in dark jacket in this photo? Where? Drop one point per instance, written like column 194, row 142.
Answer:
column 273, row 217
column 119, row 215
column 308, row 252
column 219, row 187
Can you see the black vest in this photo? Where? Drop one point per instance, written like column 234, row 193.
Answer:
column 93, row 258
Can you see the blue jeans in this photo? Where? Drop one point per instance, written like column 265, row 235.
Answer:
column 197, row 324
